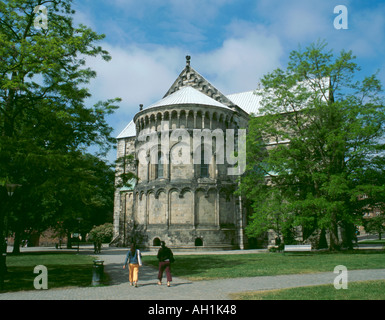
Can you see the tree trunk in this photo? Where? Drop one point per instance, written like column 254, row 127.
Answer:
column 69, row 242
column 16, row 243
column 333, row 233
column 322, row 243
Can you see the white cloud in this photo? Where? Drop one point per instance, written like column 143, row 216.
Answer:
column 242, row 60
column 143, row 74
column 141, row 71
column 137, row 75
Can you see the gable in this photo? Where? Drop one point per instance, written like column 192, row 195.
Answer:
column 191, row 78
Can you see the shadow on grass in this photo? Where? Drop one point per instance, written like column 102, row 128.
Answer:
column 197, row 267
column 22, row 278
column 65, row 269
column 267, row 264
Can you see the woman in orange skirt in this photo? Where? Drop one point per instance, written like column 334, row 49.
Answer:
column 134, row 259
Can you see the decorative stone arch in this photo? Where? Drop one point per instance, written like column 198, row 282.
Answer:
column 158, row 121
column 140, row 208
column 184, row 190
column 152, row 125
column 181, row 208
column 157, row 207
column 214, row 121
column 198, row 120
column 174, row 117
column 205, row 206
column 166, row 118
column 227, row 122
column 202, row 189
column 157, row 192
column 231, row 122
column 227, row 209
column 221, row 121
column 190, row 119
column 227, row 193
column 182, row 119
column 174, row 189
column 139, row 124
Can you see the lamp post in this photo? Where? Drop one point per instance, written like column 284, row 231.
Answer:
column 11, row 187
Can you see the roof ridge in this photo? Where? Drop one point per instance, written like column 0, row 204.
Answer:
column 190, row 77
column 181, row 97
column 128, row 131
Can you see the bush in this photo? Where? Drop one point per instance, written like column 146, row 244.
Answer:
column 102, row 233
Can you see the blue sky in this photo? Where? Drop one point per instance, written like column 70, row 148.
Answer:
column 232, row 43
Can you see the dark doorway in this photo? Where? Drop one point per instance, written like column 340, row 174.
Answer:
column 156, row 242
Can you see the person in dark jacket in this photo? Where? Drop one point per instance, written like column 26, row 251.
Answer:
column 165, row 257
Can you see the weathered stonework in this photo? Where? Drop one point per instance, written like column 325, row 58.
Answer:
column 190, row 206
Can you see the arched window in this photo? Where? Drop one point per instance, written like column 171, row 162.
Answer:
column 159, row 166
column 198, row 242
column 156, row 242
column 204, row 166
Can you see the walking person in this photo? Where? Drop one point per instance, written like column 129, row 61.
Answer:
column 165, row 257
column 134, row 258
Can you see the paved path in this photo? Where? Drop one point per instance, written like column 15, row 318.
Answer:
column 181, row 289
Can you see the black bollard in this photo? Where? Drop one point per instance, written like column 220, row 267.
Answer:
column 97, row 272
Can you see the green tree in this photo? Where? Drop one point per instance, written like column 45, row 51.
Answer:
column 101, row 234
column 318, row 135
column 375, row 224
column 45, row 123
column 83, row 189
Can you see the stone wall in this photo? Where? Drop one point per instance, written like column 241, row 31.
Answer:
column 178, row 203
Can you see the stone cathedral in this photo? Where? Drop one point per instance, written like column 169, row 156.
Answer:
column 191, row 204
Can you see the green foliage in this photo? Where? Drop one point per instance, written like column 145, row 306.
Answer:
column 375, row 225
column 334, row 124
column 45, row 123
column 102, row 233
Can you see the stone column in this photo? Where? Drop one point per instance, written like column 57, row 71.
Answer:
column 194, row 209
column 168, row 209
column 217, row 213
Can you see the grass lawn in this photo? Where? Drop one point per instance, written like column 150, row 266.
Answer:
column 206, row 267
column 65, row 269
column 361, row 290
